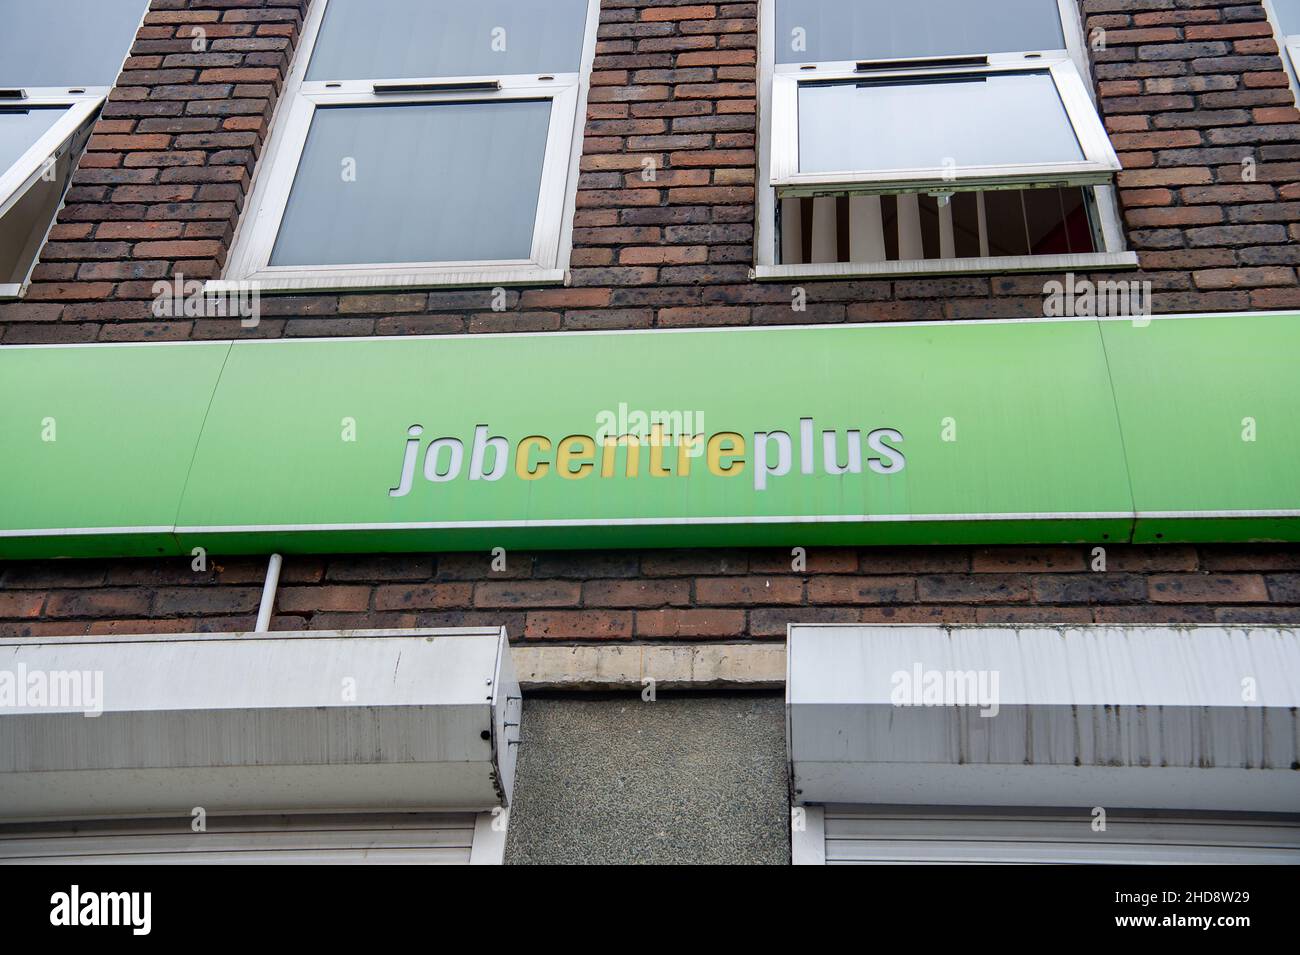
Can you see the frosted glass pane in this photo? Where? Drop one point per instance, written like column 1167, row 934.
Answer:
column 810, row 31
column 66, row 42
column 994, row 120
column 19, row 129
column 427, row 182
column 402, row 39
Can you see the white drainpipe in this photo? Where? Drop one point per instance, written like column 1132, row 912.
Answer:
column 268, row 594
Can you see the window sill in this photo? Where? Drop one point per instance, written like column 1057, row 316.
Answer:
column 1090, row 261
column 10, row 292
column 354, row 282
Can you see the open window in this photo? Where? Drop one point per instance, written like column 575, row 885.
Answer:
column 931, row 137
column 58, row 60
column 434, row 144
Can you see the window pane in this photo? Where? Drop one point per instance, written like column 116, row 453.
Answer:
column 988, row 120
column 66, row 42
column 443, row 182
column 812, row 31
column 1288, row 15
column 19, row 130
column 428, row 38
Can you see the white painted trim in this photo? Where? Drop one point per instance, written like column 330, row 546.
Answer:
column 88, row 531
column 660, row 522
column 808, row 846
column 765, row 231
column 970, row 266
column 217, row 637
column 11, row 290
column 1288, row 49
column 655, row 522
column 420, row 279
column 1076, row 41
column 489, row 846
column 736, row 519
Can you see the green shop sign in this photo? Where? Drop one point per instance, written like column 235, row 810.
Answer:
column 1180, row 428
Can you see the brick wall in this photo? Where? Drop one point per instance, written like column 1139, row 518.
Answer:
column 662, row 595
column 1188, row 89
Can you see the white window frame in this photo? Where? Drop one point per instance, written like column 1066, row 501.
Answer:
column 81, row 106
column 779, row 176
column 553, row 226
column 1288, row 46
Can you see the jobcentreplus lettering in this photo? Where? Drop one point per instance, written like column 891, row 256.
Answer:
column 574, row 457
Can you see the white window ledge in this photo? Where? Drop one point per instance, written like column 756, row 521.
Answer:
column 468, row 278
column 974, row 266
column 10, row 291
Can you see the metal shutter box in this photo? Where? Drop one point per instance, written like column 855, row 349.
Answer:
column 1195, row 718
column 372, row 721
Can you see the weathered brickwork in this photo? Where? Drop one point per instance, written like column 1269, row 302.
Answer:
column 663, row 595
column 1197, row 104
column 1189, row 89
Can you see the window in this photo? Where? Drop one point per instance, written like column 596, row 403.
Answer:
column 432, row 142
column 58, row 60
column 1286, row 20
column 928, row 137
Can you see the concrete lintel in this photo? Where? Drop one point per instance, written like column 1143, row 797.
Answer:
column 671, row 666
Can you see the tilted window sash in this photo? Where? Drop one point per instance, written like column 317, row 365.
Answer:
column 76, row 111
column 46, row 160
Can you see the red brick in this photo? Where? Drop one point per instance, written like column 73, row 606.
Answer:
column 861, row 590
column 1208, row 588
column 975, row 589
column 659, row 14
column 636, row 593
column 21, row 603
column 749, row 591
column 578, row 625
column 100, row 602
column 526, row 593
column 689, row 624
column 1030, row 559
column 313, row 599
